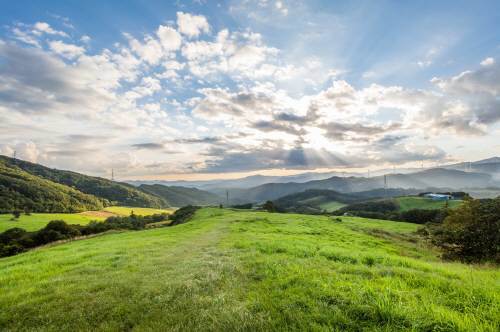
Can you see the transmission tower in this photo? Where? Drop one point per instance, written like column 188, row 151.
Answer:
column 112, row 174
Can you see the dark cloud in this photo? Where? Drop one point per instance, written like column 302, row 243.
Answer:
column 34, row 81
column 278, row 126
column 354, row 131
column 148, row 146
column 198, row 140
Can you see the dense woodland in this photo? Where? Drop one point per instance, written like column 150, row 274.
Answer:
column 112, row 192
column 22, row 191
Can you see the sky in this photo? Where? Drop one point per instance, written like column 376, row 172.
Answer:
column 223, row 89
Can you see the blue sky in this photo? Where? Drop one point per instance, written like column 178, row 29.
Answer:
column 203, row 89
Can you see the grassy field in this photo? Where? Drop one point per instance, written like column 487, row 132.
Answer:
column 331, row 206
column 233, row 270
column 409, row 203
column 36, row 221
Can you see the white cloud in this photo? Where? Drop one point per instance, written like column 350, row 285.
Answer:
column 150, row 51
column 170, row 39
column 192, row 25
column 40, row 28
column 488, row 62
column 69, row 51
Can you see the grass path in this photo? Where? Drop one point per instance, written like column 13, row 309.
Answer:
column 247, row 271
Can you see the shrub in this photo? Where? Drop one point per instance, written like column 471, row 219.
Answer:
column 183, row 215
column 247, row 206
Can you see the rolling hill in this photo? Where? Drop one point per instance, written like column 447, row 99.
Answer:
column 248, row 271
column 181, row 196
column 103, row 190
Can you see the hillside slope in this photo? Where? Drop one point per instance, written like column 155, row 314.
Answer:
column 227, row 270
column 20, row 190
column 114, row 192
column 181, row 196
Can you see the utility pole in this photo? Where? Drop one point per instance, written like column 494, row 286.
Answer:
column 227, row 197
column 112, row 174
column 385, row 185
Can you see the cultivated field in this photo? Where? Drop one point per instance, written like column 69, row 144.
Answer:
column 233, row 270
column 35, row 221
column 126, row 210
column 409, row 203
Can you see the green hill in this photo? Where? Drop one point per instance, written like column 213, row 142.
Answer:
column 181, row 196
column 115, row 193
column 249, row 271
column 20, row 190
column 314, row 201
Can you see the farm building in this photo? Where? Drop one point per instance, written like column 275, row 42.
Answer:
column 438, row 197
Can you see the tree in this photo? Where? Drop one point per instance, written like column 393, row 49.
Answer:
column 471, row 232
column 16, row 214
column 269, row 206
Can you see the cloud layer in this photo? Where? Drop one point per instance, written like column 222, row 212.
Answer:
column 187, row 98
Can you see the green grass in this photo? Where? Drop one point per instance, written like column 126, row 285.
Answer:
column 36, row 221
column 125, row 210
column 331, row 206
column 233, row 270
column 409, row 203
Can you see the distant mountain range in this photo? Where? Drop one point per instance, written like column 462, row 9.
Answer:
column 438, row 178
column 42, row 189
column 490, row 166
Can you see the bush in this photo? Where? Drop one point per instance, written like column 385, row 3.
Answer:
column 247, row 206
column 183, row 214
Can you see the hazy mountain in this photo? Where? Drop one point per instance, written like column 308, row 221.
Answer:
column 182, row 196
column 219, row 186
column 432, row 178
column 490, row 166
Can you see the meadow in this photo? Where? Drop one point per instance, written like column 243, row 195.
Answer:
column 410, row 202
column 331, row 206
column 243, row 270
column 36, row 221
